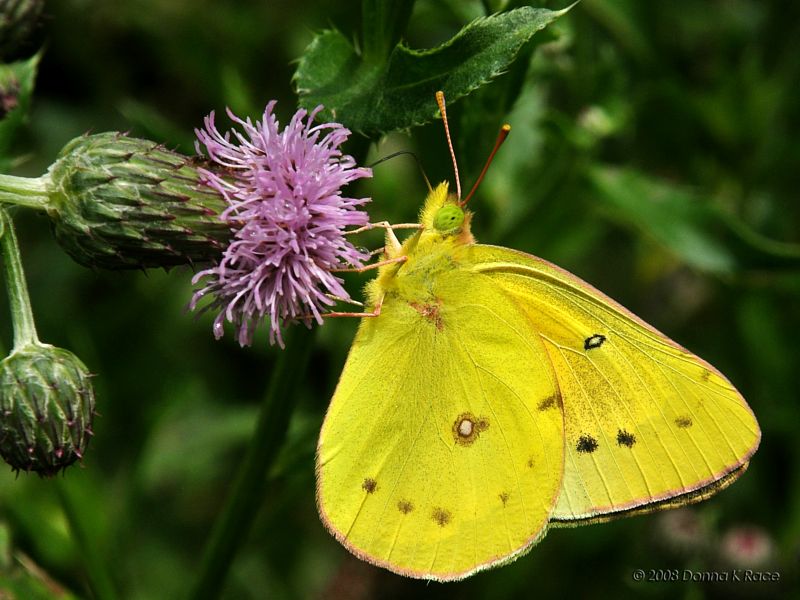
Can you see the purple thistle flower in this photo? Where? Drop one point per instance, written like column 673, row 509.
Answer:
column 287, row 214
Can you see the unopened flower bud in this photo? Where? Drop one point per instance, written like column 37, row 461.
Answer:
column 119, row 202
column 46, row 409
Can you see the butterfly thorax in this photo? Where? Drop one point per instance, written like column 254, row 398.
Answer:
column 440, row 245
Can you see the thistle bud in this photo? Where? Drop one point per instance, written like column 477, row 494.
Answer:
column 46, row 409
column 119, row 202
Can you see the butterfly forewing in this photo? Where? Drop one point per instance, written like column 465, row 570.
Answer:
column 442, row 450
column 645, row 421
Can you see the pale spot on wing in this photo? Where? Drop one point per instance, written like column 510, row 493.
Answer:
column 594, row 341
column 467, row 428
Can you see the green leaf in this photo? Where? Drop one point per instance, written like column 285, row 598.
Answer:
column 697, row 231
column 379, row 96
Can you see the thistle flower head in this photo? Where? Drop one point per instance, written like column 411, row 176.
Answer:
column 287, row 215
column 683, row 531
column 747, row 547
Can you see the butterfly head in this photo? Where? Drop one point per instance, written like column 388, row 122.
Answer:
column 443, row 216
column 448, row 218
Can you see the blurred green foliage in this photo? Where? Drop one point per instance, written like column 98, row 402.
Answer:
column 654, row 153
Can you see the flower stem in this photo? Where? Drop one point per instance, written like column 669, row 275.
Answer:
column 248, row 490
column 100, row 579
column 18, row 299
column 25, row 191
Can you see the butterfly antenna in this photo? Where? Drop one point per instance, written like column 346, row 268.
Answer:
column 443, row 110
column 501, row 137
column 416, row 158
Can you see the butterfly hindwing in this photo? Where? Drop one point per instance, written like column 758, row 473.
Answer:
column 646, row 422
column 440, row 455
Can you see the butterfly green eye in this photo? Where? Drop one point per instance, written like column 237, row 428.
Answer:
column 449, row 217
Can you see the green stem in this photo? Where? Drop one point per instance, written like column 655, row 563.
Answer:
column 99, row 578
column 18, row 299
column 25, row 191
column 248, row 490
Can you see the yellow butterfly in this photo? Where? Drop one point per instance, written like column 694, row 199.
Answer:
column 492, row 395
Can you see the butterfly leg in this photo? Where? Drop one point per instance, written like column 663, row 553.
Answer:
column 374, row 313
column 376, row 265
column 383, row 225
column 391, row 239
column 346, row 300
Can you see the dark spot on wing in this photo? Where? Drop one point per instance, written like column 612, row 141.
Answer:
column 586, row 444
column 550, row 402
column 625, row 439
column 706, row 375
column 504, row 498
column 683, row 422
column 442, row 516
column 369, row 485
column 530, row 462
column 467, row 427
column 405, row 507
column 594, row 341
